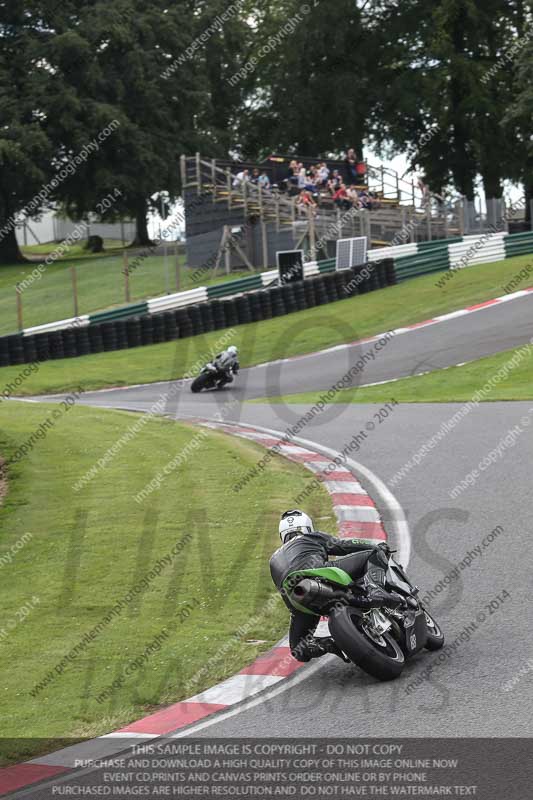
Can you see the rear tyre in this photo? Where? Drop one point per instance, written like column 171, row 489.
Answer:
column 435, row 640
column 203, row 381
column 379, row 656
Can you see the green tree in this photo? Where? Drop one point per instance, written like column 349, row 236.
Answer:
column 445, row 95
column 25, row 146
column 121, row 61
column 312, row 82
column 518, row 121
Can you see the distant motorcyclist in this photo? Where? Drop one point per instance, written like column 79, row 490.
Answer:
column 305, row 548
column 227, row 364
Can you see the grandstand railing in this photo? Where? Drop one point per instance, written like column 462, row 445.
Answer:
column 406, row 213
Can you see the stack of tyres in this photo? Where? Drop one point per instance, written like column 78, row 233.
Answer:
column 196, row 320
column 230, row 312
column 109, row 336
column 381, row 271
column 55, row 343
column 42, row 346
column 4, row 353
column 299, row 295
column 133, row 329
column 83, row 345
column 321, row 297
column 266, row 304
column 363, row 284
column 30, row 349
column 158, row 328
column 121, row 330
column 289, row 299
column 184, row 323
column 309, row 290
column 170, row 326
column 69, row 343
column 342, row 278
column 256, row 311
column 351, row 288
column 147, row 330
column 390, row 270
column 219, row 318
column 15, row 348
column 276, row 298
column 95, row 338
column 206, row 312
column 242, row 305
column 373, row 278
column 331, row 287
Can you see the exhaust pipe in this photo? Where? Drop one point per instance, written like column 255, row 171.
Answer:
column 309, row 592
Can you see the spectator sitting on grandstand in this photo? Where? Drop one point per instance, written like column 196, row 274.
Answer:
column 366, row 200
column 335, row 181
column 302, row 177
column 350, row 167
column 341, row 197
column 240, row 178
column 305, row 201
column 353, row 195
column 323, row 174
column 291, row 181
column 263, row 180
column 255, row 176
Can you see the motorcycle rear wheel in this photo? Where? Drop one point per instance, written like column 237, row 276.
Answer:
column 379, row 656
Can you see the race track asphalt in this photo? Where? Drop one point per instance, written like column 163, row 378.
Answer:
column 467, row 338
column 464, row 695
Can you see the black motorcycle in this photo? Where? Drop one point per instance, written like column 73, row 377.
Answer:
column 379, row 640
column 209, row 378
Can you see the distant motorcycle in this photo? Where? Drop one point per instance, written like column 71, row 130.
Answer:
column 378, row 640
column 209, row 378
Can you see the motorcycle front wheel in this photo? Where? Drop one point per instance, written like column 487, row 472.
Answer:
column 203, row 381
column 435, row 640
column 378, row 655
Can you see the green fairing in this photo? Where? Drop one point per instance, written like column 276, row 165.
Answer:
column 333, row 574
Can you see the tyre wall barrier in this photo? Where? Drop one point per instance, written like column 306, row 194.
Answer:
column 324, row 285
column 193, row 320
column 408, row 261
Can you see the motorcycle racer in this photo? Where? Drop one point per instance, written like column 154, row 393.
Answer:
column 227, row 363
column 304, row 548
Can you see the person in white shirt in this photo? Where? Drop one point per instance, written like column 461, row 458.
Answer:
column 240, row 178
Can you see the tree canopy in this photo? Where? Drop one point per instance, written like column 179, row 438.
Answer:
column 448, row 83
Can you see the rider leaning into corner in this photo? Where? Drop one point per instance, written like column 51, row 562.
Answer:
column 305, row 548
column 227, row 363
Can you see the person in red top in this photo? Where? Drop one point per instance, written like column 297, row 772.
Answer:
column 341, row 198
column 305, row 201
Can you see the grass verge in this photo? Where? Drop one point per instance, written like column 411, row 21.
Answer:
column 294, row 334
column 84, row 552
column 100, row 285
column 502, row 380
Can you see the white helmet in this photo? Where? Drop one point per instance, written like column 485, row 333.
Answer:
column 294, row 522
column 232, row 350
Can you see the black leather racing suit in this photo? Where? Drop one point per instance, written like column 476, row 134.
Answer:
column 227, row 367
column 312, row 551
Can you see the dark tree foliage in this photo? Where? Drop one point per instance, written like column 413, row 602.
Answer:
column 448, row 86
column 26, row 147
column 446, row 82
